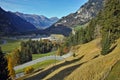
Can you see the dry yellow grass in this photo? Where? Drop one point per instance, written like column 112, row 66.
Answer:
column 95, row 69
column 92, row 66
column 60, row 69
column 89, row 51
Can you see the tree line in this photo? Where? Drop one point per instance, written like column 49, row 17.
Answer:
column 109, row 20
column 33, row 47
column 82, row 35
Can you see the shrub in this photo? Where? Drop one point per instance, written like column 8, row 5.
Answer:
column 106, row 44
column 28, row 70
column 74, row 55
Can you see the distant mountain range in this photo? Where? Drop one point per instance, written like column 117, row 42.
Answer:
column 86, row 12
column 39, row 21
column 19, row 23
column 13, row 24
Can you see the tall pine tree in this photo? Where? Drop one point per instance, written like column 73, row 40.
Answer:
column 4, row 73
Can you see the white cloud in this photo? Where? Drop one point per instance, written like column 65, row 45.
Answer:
column 10, row 6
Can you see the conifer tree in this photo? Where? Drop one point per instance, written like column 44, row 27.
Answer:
column 4, row 73
column 105, row 44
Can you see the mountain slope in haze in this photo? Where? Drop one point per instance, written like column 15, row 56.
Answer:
column 5, row 24
column 54, row 19
column 40, row 22
column 12, row 24
column 86, row 12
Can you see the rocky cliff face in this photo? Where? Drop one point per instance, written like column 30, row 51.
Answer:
column 89, row 10
column 83, row 15
column 86, row 12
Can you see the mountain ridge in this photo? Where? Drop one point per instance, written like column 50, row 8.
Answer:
column 39, row 21
column 12, row 24
column 82, row 16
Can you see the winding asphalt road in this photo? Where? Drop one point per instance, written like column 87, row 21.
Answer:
column 43, row 59
column 40, row 60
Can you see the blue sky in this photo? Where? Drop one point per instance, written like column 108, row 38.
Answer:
column 49, row 8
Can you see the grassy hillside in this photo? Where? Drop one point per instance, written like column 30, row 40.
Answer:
column 88, row 64
column 63, row 69
column 92, row 65
column 95, row 68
